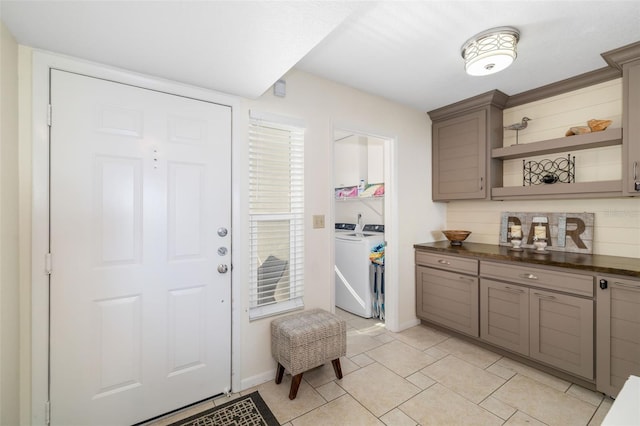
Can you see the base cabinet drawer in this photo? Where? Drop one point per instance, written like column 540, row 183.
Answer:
column 447, row 298
column 447, row 263
column 618, row 333
column 537, row 277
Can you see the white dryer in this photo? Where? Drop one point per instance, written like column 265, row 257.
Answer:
column 354, row 291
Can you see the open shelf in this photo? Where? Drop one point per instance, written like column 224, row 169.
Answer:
column 600, row 189
column 379, row 197
column 609, row 137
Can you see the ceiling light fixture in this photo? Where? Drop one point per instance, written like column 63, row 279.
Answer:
column 490, row 51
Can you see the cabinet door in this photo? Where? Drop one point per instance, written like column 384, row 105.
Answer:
column 618, row 333
column 631, row 126
column 562, row 331
column 504, row 315
column 447, row 298
column 459, row 164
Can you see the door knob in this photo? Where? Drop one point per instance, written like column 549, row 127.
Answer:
column 222, row 268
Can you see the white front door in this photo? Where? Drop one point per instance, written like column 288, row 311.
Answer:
column 140, row 201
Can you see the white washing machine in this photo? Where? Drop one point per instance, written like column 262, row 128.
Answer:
column 354, row 292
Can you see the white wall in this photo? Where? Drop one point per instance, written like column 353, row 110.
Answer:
column 9, row 276
column 617, row 220
column 324, row 105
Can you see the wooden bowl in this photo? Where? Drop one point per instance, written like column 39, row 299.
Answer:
column 456, row 236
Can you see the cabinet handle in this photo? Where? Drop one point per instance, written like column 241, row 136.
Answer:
column 482, row 183
column 625, row 285
column 529, row 276
column 635, row 170
column 514, row 290
column 467, row 279
column 544, row 296
column 444, row 262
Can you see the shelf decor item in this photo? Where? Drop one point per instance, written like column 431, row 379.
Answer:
column 455, row 236
column 516, row 237
column 548, row 171
column 560, row 231
column 593, row 125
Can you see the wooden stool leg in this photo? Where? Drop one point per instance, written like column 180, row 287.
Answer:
column 295, row 384
column 337, row 368
column 279, row 374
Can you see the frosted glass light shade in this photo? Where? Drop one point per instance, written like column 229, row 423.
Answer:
column 490, row 51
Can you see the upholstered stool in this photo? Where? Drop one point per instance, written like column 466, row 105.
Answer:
column 305, row 340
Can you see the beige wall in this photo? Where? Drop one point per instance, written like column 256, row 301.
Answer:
column 9, row 277
column 617, row 220
column 322, row 105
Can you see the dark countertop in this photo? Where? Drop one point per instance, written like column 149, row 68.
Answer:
column 628, row 266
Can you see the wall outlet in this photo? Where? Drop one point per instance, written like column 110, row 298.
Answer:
column 318, row 221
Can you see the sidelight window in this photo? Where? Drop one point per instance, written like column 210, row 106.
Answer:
column 276, row 214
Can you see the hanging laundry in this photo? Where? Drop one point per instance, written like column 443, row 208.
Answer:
column 377, row 254
column 377, row 280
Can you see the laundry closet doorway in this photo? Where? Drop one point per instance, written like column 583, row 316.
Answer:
column 140, row 221
column 362, row 171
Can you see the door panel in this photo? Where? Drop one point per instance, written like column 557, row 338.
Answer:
column 140, row 317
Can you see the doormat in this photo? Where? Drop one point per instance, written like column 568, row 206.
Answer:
column 248, row 410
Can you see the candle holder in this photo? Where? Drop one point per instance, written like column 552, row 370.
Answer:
column 516, row 237
column 516, row 243
column 540, row 244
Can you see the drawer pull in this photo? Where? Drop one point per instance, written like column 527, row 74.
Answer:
column 544, row 296
column 467, row 279
column 514, row 290
column 625, row 285
column 529, row 276
column 444, row 262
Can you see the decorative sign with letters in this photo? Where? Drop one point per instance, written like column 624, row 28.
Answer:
column 570, row 232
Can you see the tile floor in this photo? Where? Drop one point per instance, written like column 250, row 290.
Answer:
column 423, row 376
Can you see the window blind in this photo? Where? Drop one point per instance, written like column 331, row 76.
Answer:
column 276, row 216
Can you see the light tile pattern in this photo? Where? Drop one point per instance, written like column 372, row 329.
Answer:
column 424, row 376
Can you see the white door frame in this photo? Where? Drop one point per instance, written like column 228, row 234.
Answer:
column 390, row 220
column 41, row 65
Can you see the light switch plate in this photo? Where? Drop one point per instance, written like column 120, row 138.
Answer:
column 318, row 221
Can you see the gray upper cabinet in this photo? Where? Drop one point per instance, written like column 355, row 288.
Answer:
column 627, row 60
column 631, row 119
column 463, row 135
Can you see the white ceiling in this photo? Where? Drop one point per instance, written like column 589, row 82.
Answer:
column 406, row 51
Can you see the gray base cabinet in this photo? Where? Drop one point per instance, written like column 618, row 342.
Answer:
column 580, row 321
column 618, row 333
column 449, row 299
column 550, row 327
column 448, row 294
column 562, row 331
column 504, row 315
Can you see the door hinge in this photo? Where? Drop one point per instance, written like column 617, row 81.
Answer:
column 47, row 412
column 49, row 115
column 47, row 263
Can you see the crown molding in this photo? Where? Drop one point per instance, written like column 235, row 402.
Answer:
column 573, row 83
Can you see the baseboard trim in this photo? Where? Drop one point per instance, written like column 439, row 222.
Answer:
column 405, row 325
column 256, row 380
